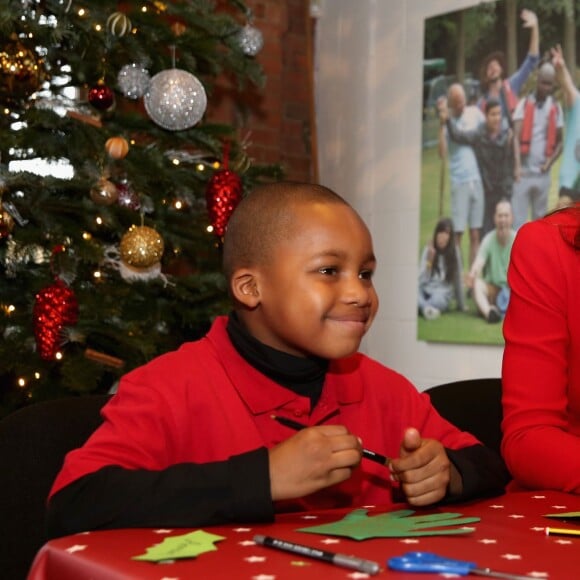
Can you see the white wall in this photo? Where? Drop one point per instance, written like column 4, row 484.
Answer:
column 368, row 100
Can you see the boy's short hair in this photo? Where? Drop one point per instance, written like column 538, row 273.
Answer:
column 264, row 218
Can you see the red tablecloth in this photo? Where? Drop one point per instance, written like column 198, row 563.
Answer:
column 509, row 538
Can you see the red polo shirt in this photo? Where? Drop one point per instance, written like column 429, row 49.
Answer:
column 204, row 403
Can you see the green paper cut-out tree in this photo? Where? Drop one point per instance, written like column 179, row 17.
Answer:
column 185, row 546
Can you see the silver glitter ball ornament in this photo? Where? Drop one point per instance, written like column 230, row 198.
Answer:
column 175, row 100
column 133, row 80
column 250, row 40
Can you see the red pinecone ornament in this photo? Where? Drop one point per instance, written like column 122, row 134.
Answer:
column 223, row 193
column 55, row 307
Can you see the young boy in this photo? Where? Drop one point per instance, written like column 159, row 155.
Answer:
column 192, row 439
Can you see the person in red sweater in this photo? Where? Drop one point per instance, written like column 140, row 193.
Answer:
column 193, row 437
column 541, row 362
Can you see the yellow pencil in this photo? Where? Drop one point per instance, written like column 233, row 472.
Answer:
column 562, row 532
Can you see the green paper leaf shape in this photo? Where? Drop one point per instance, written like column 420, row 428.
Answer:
column 358, row 525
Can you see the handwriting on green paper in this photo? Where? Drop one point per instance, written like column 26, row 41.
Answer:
column 398, row 524
column 564, row 515
column 184, row 546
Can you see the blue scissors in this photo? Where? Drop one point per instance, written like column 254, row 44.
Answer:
column 429, row 562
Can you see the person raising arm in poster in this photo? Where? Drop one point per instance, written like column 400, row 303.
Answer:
column 538, row 122
column 541, row 361
column 570, row 165
column 493, row 69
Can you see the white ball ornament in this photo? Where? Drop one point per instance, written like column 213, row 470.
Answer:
column 250, row 40
column 175, row 99
column 133, row 80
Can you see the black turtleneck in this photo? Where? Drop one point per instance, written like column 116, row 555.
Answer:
column 302, row 375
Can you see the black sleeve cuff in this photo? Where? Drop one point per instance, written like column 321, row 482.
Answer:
column 483, row 472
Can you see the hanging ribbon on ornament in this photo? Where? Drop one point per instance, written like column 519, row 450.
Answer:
column 55, row 307
column 222, row 195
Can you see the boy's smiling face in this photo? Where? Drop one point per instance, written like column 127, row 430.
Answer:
column 313, row 295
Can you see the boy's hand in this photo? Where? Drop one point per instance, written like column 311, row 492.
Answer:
column 424, row 470
column 313, row 459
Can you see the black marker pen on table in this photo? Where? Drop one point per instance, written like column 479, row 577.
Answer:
column 352, row 562
column 372, row 455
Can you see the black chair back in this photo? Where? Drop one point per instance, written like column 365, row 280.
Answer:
column 473, row 405
column 33, row 443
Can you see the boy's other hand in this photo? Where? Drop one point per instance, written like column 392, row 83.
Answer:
column 313, row 459
column 424, row 470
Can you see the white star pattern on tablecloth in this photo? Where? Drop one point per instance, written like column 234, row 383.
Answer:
column 539, row 497
column 537, row 529
column 170, row 578
column 247, row 543
column 242, row 529
column 369, row 507
column 409, row 541
column 253, row 559
column 76, row 548
column 496, row 507
column 561, row 541
column 487, row 541
column 264, row 577
column 356, row 575
column 559, row 507
column 309, row 517
column 161, row 531
column 511, row 556
column 516, row 516
column 330, row 541
column 539, row 574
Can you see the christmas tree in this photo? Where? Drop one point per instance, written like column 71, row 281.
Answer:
column 115, row 185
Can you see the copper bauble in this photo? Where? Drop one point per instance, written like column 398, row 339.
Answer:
column 141, row 247
column 104, row 192
column 117, row 147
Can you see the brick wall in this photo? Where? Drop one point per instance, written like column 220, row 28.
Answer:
column 277, row 118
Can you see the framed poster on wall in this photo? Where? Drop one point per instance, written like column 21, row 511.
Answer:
column 493, row 137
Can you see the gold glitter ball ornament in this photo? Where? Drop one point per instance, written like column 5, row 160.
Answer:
column 141, row 247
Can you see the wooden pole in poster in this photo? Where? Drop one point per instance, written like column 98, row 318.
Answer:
column 441, row 185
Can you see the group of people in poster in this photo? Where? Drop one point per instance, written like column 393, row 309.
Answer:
column 500, row 151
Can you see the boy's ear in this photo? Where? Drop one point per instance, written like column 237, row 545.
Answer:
column 245, row 288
